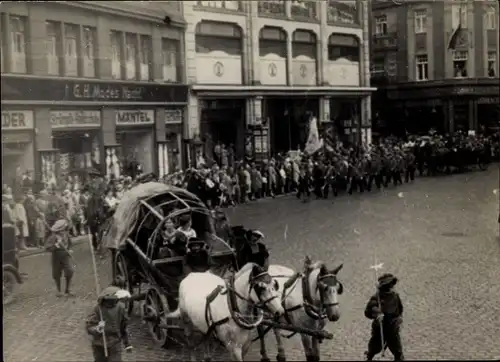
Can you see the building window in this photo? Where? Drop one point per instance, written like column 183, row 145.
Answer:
column 272, row 7
column 89, row 42
column 459, row 16
column 145, row 57
column 492, row 64
column 116, row 54
column 304, row 9
column 130, row 56
column 18, row 39
column 52, row 44
column 378, row 66
column 228, row 5
column 460, row 64
column 422, row 65
column 381, row 25
column 70, row 50
column 341, row 46
column 420, row 21
column 170, row 52
column 342, row 11
column 490, row 20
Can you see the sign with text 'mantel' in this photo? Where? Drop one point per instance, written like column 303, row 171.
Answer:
column 135, row 117
column 74, row 118
column 17, row 120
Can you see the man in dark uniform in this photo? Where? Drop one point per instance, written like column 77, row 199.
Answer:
column 385, row 307
column 111, row 308
column 304, row 181
column 59, row 244
column 409, row 165
column 319, row 178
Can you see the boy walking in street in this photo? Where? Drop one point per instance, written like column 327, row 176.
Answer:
column 107, row 324
column 386, row 311
column 59, row 244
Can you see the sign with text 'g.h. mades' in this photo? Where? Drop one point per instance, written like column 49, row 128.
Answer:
column 135, row 117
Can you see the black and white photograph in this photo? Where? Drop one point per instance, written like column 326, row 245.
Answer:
column 280, row 180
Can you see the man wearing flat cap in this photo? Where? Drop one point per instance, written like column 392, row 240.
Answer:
column 59, row 244
column 385, row 307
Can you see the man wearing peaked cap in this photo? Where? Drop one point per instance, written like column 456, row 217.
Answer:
column 59, row 244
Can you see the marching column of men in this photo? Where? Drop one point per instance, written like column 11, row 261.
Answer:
column 352, row 172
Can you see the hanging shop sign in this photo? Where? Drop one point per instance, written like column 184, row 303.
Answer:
column 75, row 118
column 135, row 117
column 17, row 120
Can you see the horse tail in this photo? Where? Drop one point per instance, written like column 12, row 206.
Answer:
column 175, row 314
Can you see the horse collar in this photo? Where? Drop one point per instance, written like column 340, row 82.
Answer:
column 232, row 296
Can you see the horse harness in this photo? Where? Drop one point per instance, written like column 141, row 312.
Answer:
column 312, row 311
column 232, row 296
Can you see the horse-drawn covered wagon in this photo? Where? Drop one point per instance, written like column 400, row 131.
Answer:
column 158, row 234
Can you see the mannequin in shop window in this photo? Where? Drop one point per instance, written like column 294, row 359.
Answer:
column 491, row 71
column 460, row 71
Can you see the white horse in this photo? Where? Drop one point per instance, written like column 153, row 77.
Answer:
column 230, row 310
column 308, row 299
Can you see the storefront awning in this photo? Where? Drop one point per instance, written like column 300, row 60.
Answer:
column 208, row 91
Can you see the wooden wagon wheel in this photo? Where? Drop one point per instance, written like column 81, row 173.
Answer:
column 155, row 310
column 120, row 271
column 9, row 286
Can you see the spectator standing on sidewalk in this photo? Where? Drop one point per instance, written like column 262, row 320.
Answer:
column 21, row 222
column 40, row 223
column 32, row 215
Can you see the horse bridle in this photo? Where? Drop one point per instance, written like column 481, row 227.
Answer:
column 255, row 287
column 321, row 287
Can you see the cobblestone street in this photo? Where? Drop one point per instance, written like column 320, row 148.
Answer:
column 439, row 236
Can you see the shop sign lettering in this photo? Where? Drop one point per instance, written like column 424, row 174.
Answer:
column 173, row 116
column 135, row 117
column 17, row 120
column 107, row 92
column 65, row 119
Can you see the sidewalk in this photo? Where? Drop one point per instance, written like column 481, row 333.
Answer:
column 34, row 251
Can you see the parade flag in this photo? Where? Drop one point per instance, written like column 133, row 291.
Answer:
column 313, row 142
column 452, row 43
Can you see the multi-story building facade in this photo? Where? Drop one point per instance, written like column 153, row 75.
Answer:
column 435, row 64
column 87, row 83
column 260, row 69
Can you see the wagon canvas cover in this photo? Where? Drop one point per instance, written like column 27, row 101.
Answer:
column 127, row 213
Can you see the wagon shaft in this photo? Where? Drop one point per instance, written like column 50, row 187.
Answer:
column 288, row 327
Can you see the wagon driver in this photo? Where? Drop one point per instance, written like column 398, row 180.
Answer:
column 59, row 244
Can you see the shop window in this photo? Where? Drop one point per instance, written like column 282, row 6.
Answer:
column 89, row 43
column 116, row 54
column 459, row 16
column 492, row 64
column 381, row 25
column 460, row 64
column 304, row 9
column 490, row 19
column 420, row 21
column 228, row 5
column 145, row 57
column 130, row 56
column 52, row 44
column 170, row 52
column 70, row 50
column 343, row 47
column 378, row 66
column 342, row 11
column 422, row 67
column 18, row 41
column 272, row 7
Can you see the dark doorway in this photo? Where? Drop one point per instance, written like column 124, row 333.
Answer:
column 289, row 122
